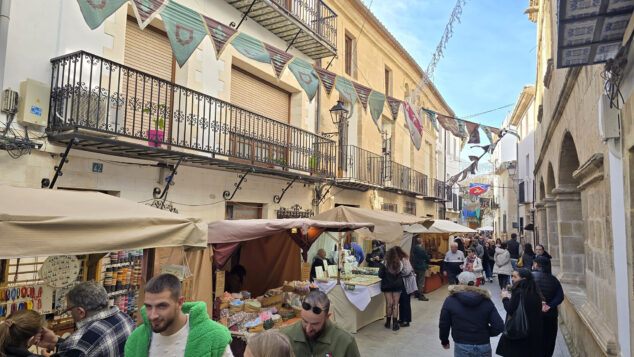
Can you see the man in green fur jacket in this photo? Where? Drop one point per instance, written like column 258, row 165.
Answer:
column 172, row 327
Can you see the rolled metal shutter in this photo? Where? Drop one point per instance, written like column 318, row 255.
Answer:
column 258, row 96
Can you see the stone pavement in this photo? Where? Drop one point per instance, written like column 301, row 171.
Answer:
column 421, row 338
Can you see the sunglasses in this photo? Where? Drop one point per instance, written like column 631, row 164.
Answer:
column 69, row 309
column 315, row 309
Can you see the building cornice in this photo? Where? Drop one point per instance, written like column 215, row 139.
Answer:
column 528, row 93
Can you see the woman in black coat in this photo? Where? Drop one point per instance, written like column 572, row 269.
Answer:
column 523, row 286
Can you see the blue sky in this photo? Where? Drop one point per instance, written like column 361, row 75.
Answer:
column 488, row 60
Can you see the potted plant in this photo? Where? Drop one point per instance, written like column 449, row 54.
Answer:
column 312, row 163
column 280, row 162
column 156, row 136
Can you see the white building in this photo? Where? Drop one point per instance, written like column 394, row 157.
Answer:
column 448, row 164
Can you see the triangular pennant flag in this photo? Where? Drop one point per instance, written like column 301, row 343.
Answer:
column 376, row 102
column 432, row 118
column 185, row 30
column 326, row 78
column 146, row 10
column 473, row 158
column 251, row 47
column 474, row 133
column 220, row 34
column 462, row 128
column 487, row 132
column 306, row 76
column 279, row 58
column 414, row 124
column 345, row 88
column 395, row 105
column 363, row 93
column 95, row 12
column 449, row 124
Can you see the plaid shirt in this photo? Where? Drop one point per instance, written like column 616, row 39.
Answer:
column 101, row 335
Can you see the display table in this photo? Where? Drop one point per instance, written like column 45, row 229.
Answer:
column 354, row 309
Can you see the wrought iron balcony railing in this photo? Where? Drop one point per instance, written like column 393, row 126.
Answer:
column 318, row 16
column 401, row 178
column 91, row 93
column 439, row 189
column 361, row 166
column 419, row 183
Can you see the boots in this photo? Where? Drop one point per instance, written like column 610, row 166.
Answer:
column 387, row 322
column 423, row 298
column 395, row 325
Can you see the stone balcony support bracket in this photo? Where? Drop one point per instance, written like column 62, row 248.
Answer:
column 590, row 171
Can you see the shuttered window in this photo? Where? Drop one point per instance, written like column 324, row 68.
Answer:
column 258, row 96
column 148, row 51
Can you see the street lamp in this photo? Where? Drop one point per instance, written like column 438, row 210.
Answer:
column 339, row 116
column 511, row 169
column 338, row 113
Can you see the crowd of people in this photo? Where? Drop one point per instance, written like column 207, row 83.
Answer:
column 529, row 292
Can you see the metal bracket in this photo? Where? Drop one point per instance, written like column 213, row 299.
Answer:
column 58, row 169
column 329, row 63
column 243, row 178
column 169, row 181
column 293, row 40
column 278, row 198
column 320, row 195
column 246, row 14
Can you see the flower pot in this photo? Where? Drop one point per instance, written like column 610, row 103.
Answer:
column 155, row 137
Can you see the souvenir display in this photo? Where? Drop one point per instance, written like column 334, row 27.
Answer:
column 121, row 273
column 60, row 271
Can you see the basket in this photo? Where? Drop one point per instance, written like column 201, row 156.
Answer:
column 254, row 329
column 224, row 305
column 251, row 308
column 272, row 300
column 236, row 308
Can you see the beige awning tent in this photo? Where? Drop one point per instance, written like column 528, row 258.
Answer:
column 387, row 225
column 36, row 222
column 439, row 226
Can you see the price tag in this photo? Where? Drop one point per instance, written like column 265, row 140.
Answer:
column 305, row 271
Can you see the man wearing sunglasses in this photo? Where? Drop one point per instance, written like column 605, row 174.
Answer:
column 316, row 335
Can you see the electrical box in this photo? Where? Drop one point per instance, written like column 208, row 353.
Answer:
column 33, row 103
column 609, row 122
column 9, row 101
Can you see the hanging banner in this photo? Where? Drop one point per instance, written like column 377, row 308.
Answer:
column 146, row 10
column 326, row 78
column 306, row 76
column 477, row 189
column 474, row 133
column 220, row 34
column 95, row 12
column 376, row 102
column 185, row 30
column 432, row 117
column 462, row 128
column 414, row 124
column 345, row 88
column 251, row 47
column 449, row 124
column 395, row 105
column 363, row 93
column 279, row 58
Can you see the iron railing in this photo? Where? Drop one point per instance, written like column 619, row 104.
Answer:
column 362, row 166
column 401, row 178
column 419, row 183
column 90, row 92
column 439, row 189
column 315, row 14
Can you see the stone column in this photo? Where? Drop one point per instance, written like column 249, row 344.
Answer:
column 552, row 230
column 541, row 224
column 571, row 235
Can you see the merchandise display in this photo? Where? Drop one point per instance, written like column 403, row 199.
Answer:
column 121, row 277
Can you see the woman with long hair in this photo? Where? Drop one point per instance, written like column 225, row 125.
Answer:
column 524, row 290
column 19, row 331
column 409, row 287
column 392, row 285
column 269, row 344
column 528, row 256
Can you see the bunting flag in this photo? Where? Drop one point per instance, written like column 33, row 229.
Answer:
column 279, row 58
column 146, row 10
column 95, row 12
column 473, row 158
column 220, row 34
column 449, row 124
column 462, row 128
column 251, row 47
column 395, row 105
column 326, row 78
column 345, row 88
column 363, row 93
column 487, row 132
column 474, row 133
column 306, row 76
column 414, row 124
column 185, row 30
column 477, row 189
column 432, row 117
column 376, row 102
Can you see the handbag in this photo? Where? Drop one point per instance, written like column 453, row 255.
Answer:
column 516, row 325
column 520, row 263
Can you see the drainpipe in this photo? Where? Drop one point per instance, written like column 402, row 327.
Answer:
column 317, row 131
column 5, row 6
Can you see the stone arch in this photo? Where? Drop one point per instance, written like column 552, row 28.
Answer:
column 552, row 231
column 542, row 192
column 550, row 182
column 569, row 213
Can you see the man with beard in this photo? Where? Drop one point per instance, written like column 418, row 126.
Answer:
column 172, row 327
column 316, row 335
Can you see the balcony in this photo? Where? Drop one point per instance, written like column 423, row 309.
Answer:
column 308, row 25
column 403, row 179
column 360, row 169
column 113, row 109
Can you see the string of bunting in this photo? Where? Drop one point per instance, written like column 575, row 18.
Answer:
column 186, row 29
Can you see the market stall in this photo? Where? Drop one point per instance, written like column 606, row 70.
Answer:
column 53, row 239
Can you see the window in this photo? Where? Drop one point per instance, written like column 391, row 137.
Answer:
column 504, row 223
column 521, row 192
column 406, row 91
column 350, row 56
column 390, row 207
column 410, row 208
column 388, row 81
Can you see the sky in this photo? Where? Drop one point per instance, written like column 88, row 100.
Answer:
column 488, row 60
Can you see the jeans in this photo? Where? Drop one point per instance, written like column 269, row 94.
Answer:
column 514, row 263
column 503, row 281
column 420, row 280
column 487, row 269
column 464, row 350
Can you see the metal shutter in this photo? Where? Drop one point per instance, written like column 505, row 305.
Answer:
column 258, row 96
column 148, row 51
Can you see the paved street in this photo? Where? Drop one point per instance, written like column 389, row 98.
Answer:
column 421, row 338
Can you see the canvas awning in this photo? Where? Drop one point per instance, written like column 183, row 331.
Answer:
column 37, row 222
column 387, row 225
column 486, row 229
column 439, row 226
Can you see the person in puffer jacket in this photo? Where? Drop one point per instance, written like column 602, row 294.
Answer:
column 471, row 316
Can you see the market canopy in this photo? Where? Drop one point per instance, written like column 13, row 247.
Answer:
column 486, row 228
column 439, row 226
column 387, row 225
column 54, row 222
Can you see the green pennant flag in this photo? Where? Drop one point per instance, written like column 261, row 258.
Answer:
column 306, row 76
column 345, row 88
column 185, row 30
column 432, row 117
column 376, row 103
column 251, row 47
column 95, row 12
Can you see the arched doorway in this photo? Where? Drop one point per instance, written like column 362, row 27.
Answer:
column 570, row 217
column 552, row 227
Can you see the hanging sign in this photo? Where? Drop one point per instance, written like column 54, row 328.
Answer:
column 59, row 271
column 478, row 188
